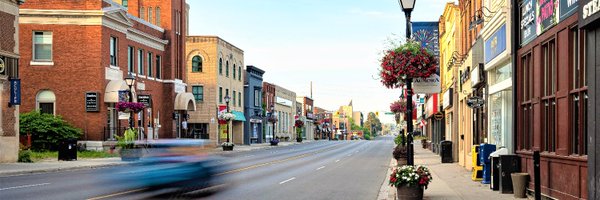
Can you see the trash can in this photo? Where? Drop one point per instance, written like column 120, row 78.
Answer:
column 495, row 156
column 446, row 151
column 67, row 150
column 519, row 181
column 508, row 164
column 484, row 156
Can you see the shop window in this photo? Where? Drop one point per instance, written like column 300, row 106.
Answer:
column 197, row 64
column 45, row 101
column 42, row 46
column 578, row 95
column 549, row 99
column 198, row 92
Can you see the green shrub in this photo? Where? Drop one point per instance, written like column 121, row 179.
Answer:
column 367, row 137
column 25, row 156
column 46, row 130
column 128, row 139
column 400, row 139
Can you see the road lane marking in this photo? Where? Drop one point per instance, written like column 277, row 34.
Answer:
column 23, row 186
column 320, row 167
column 116, row 194
column 337, row 160
column 282, row 182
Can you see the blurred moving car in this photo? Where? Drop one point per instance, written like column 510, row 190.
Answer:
column 178, row 164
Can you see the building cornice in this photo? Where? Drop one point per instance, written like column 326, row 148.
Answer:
column 146, row 39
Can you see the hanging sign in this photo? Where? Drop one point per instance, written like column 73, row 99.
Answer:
column 145, row 99
column 91, row 102
column 475, row 102
column 15, row 92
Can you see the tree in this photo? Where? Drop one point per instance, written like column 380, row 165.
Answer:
column 373, row 120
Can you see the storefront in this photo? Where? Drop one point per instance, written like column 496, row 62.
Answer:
column 589, row 20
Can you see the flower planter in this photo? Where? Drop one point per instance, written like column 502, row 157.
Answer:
column 227, row 148
column 274, row 142
column 405, row 192
column 424, row 143
column 402, row 161
column 130, row 154
column 298, row 139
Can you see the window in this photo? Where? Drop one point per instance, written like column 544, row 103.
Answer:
column 158, row 66
column 198, row 92
column 157, row 16
column 45, row 101
column 526, row 105
column 197, row 64
column 234, row 71
column 240, row 74
column 240, row 99
column 233, row 102
column 150, row 15
column 150, row 57
column 125, row 4
column 130, row 58
column 578, row 95
column 113, row 51
column 140, row 62
column 220, row 95
column 141, row 12
column 42, row 46
column 220, row 66
column 256, row 98
column 227, row 68
column 549, row 99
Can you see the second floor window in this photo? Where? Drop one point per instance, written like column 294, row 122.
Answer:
column 240, row 99
column 42, row 46
column 233, row 71
column 150, row 15
column 198, row 92
column 113, row 51
column 220, row 95
column 197, row 64
column 158, row 66
column 240, row 74
column 150, row 64
column 130, row 58
column 141, row 62
column 256, row 98
column 227, row 68
column 157, row 16
column 220, row 66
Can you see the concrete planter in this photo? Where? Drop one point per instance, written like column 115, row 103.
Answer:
column 409, row 192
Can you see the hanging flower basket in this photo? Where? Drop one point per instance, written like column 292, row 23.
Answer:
column 409, row 60
column 226, row 116
column 398, row 106
column 299, row 124
column 130, row 106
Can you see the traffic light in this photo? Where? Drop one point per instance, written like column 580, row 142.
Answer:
column 377, row 113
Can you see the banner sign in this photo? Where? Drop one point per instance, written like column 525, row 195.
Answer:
column 91, row 102
column 15, row 92
column 547, row 15
column 495, row 45
column 427, row 33
column 567, row 8
column 123, row 95
column 528, row 25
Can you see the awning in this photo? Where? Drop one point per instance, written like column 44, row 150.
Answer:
column 111, row 94
column 185, row 101
column 239, row 116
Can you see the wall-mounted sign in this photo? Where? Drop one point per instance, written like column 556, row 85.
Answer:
column 438, row 116
column 589, row 12
column 2, row 67
column 567, row 8
column 547, row 15
column 495, row 45
column 476, row 75
column 528, row 24
column 447, row 102
column 15, row 92
column 145, row 99
column 465, row 75
column 91, row 102
column 283, row 101
column 475, row 102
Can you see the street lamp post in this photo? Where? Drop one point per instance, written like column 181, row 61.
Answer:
column 227, row 98
column 407, row 7
column 273, row 120
column 130, row 81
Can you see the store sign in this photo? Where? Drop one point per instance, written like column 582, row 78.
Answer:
column 495, row 45
column 567, row 8
column 432, row 105
column 547, row 15
column 476, row 76
column 15, row 92
column 92, row 102
column 438, row 116
column 145, row 99
column 447, row 102
column 283, row 101
column 464, row 76
column 2, row 67
column 528, row 25
column 589, row 11
column 475, row 102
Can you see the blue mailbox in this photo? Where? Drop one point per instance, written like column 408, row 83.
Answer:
column 484, row 157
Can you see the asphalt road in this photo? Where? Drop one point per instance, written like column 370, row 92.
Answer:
column 315, row 170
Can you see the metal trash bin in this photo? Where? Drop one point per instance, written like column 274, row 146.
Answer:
column 446, row 151
column 67, row 150
column 508, row 164
column 495, row 157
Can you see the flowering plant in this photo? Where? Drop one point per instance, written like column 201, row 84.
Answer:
column 132, row 106
column 228, row 144
column 227, row 116
column 299, row 123
column 398, row 106
column 409, row 60
column 411, row 176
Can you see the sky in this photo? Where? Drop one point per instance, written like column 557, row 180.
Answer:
column 336, row 44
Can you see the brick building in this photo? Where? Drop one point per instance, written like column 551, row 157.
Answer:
column 76, row 54
column 268, row 97
column 9, row 58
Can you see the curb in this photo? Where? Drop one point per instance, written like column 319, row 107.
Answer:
column 59, row 169
column 386, row 191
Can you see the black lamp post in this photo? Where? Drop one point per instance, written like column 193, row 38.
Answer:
column 227, row 103
column 130, row 81
column 273, row 118
column 407, row 7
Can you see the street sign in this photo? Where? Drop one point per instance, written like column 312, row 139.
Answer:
column 475, row 102
column 389, row 113
column 438, row 116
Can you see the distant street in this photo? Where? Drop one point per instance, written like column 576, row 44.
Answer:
column 315, row 170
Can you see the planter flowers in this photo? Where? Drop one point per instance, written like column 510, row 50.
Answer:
column 299, row 124
column 227, row 116
column 410, row 181
column 130, row 106
column 409, row 60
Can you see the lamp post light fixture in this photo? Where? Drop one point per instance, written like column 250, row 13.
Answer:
column 407, row 7
column 227, row 98
column 130, row 81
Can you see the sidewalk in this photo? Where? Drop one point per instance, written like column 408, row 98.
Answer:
column 450, row 181
column 11, row 169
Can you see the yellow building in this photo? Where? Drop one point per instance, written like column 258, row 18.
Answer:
column 214, row 71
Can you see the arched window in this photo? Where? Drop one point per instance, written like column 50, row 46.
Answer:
column 240, row 74
column 45, row 100
column 227, row 68
column 220, row 66
column 157, row 16
column 233, row 71
column 197, row 64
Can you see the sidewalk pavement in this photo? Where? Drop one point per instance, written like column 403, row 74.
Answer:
column 450, row 181
column 12, row 169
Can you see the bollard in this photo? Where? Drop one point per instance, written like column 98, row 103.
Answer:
column 536, row 175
